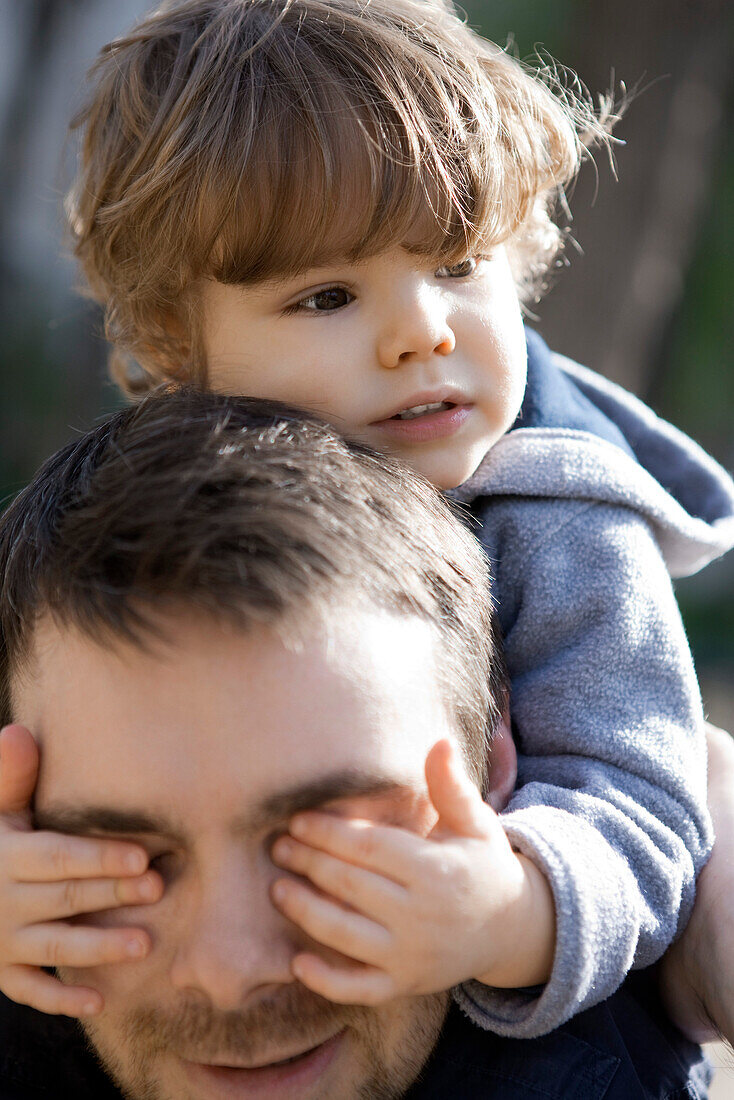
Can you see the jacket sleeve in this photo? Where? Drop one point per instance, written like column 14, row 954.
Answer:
column 611, row 798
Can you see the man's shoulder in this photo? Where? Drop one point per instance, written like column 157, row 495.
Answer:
column 46, row 1057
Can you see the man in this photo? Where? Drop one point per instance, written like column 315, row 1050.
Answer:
column 216, row 613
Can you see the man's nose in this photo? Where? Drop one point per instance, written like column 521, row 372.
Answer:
column 233, row 946
column 416, row 328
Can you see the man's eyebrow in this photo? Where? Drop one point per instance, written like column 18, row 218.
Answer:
column 90, row 820
column 275, row 808
column 319, row 792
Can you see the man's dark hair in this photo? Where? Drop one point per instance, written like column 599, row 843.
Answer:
column 247, row 510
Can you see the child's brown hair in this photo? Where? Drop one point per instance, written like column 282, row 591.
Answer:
column 246, row 139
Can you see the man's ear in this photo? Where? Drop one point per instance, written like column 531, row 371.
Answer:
column 502, row 765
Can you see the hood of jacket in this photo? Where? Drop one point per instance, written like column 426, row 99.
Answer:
column 581, row 436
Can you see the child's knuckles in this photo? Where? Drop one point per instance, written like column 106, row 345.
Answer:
column 464, row 877
column 55, row 952
column 71, row 898
column 340, row 878
column 442, row 866
column 59, row 857
column 364, row 845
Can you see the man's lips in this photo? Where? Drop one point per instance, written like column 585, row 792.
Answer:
column 282, row 1076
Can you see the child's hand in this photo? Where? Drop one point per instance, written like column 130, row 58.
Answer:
column 412, row 914
column 46, row 878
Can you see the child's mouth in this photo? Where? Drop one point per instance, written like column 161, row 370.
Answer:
column 423, row 410
column 425, row 423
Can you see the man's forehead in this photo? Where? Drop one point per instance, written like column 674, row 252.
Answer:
column 231, row 727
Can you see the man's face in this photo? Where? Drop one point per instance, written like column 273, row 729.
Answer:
column 200, row 749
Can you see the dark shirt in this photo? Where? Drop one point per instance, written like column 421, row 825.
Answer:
column 623, row 1049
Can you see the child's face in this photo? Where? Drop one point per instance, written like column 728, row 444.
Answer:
column 361, row 343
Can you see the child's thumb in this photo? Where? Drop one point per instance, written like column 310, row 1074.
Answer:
column 454, row 796
column 18, row 769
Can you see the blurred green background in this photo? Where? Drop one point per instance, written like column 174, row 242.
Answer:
column 645, row 299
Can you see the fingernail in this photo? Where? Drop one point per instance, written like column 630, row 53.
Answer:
column 135, row 861
column 91, row 1008
column 136, row 948
column 282, row 848
column 298, row 826
column 147, row 889
column 280, row 891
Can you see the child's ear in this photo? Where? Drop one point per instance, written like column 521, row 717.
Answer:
column 502, row 765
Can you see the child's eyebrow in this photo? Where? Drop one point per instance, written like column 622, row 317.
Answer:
column 272, row 810
column 326, row 264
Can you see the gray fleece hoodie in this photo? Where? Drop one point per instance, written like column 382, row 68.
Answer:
column 586, row 508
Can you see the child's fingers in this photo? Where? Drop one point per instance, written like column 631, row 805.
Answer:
column 458, row 802
column 59, row 900
column 387, row 851
column 372, row 894
column 18, row 769
column 328, row 923
column 350, row 984
column 53, row 857
column 27, row 985
column 78, row 945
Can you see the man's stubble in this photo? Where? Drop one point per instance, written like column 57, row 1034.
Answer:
column 198, row 1033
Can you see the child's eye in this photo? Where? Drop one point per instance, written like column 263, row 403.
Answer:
column 458, row 271
column 323, row 301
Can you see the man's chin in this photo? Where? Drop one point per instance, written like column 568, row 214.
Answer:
column 377, row 1060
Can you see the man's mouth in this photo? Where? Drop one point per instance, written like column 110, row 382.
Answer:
column 225, row 1078
column 269, row 1063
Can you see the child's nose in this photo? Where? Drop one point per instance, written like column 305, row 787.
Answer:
column 415, row 333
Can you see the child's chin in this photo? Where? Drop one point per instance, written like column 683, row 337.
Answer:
column 449, row 474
